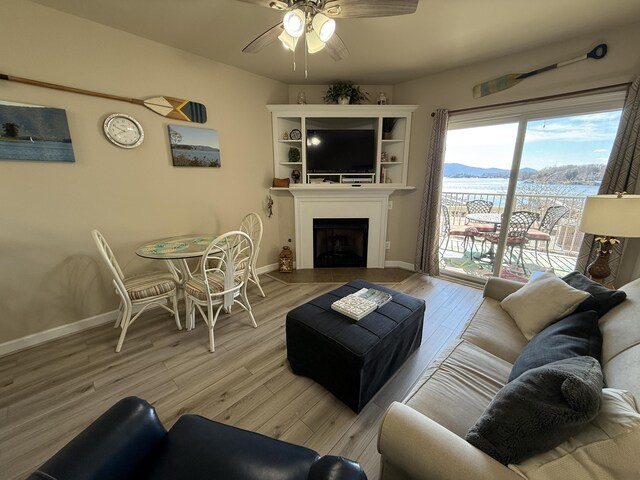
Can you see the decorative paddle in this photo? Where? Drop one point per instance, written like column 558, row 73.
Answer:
column 170, row 107
column 511, row 79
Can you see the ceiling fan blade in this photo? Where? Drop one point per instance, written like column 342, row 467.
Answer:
column 336, row 48
column 265, row 39
column 277, row 4
column 369, row 8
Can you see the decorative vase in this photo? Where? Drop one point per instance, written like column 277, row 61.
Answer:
column 286, row 260
column 599, row 269
column 343, row 100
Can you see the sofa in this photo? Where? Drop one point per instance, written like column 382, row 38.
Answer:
column 129, row 442
column 423, row 437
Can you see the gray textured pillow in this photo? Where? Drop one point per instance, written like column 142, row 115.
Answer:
column 539, row 410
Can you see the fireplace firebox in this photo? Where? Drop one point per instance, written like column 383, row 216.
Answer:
column 340, row 242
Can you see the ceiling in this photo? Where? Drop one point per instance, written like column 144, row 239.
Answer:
column 442, row 34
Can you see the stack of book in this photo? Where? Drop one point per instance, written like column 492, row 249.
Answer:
column 361, row 303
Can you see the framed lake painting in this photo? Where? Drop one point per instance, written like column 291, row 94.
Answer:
column 194, row 147
column 34, row 132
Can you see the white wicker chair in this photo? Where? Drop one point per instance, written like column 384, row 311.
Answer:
column 252, row 225
column 224, row 269
column 154, row 289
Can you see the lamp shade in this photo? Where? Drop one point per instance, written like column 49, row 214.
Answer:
column 294, row 22
column 324, row 26
column 611, row 215
column 288, row 41
column 314, row 44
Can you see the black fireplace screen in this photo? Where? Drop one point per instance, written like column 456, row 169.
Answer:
column 340, row 242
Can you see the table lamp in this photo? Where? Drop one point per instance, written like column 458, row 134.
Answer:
column 609, row 216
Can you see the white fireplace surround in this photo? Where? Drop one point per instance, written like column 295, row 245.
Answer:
column 372, row 204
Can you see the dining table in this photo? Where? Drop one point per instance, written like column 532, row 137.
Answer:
column 176, row 251
column 490, row 218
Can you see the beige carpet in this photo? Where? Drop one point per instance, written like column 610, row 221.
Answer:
column 342, row 275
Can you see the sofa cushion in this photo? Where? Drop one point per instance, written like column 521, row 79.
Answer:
column 574, row 336
column 619, row 326
column 540, row 302
column 539, row 410
column 602, row 299
column 605, row 449
column 464, row 376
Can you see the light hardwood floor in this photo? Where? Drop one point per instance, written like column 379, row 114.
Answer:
column 50, row 392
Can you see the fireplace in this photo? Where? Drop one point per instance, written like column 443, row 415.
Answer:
column 340, row 242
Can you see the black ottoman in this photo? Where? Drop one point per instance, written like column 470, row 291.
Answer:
column 353, row 359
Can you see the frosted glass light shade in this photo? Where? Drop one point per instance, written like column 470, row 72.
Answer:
column 288, row 41
column 323, row 26
column 611, row 216
column 294, row 23
column 314, row 44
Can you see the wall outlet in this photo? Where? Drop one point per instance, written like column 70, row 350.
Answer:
column 387, row 245
column 390, row 204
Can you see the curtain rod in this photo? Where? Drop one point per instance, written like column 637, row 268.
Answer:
column 538, row 99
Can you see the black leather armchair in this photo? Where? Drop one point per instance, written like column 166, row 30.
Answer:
column 129, row 442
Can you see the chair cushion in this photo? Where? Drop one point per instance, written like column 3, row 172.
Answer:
column 539, row 410
column 466, row 231
column 607, row 448
column 541, row 301
column 197, row 288
column 602, row 298
column 149, row 285
column 574, row 336
column 482, row 227
column 535, row 234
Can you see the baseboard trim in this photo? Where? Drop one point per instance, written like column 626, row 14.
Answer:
column 267, row 268
column 399, row 264
column 57, row 332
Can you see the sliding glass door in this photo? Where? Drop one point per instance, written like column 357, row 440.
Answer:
column 514, row 186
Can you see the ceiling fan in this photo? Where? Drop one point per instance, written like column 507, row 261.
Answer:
column 314, row 20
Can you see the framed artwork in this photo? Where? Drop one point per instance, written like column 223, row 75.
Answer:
column 34, row 132
column 194, row 147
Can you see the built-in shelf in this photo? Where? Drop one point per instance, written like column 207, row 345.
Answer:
column 286, row 118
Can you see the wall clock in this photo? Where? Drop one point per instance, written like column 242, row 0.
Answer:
column 123, row 130
column 295, row 134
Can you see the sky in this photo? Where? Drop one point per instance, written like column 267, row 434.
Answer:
column 197, row 136
column 573, row 140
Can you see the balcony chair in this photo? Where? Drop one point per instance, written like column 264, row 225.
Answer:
column 224, row 269
column 146, row 290
column 252, row 225
column 519, row 224
column 545, row 228
column 468, row 233
column 479, row 206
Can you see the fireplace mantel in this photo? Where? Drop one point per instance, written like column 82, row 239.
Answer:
column 341, row 202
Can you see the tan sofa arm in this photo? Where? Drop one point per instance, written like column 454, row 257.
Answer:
column 499, row 288
column 423, row 449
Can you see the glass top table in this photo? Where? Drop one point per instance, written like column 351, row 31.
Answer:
column 180, row 247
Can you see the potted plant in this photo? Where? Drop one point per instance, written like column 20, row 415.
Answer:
column 345, row 92
column 387, row 127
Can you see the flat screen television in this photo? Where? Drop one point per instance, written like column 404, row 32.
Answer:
column 341, row 151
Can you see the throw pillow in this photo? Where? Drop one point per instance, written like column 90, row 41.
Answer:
column 606, row 449
column 575, row 335
column 539, row 410
column 541, row 302
column 602, row 298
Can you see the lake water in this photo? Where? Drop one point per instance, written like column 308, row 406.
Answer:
column 43, row 151
column 499, row 185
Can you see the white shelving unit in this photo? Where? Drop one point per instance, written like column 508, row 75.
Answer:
column 392, row 148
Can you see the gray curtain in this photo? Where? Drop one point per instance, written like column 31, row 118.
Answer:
column 429, row 224
column 621, row 175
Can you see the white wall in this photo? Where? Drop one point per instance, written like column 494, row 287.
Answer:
column 453, row 90
column 50, row 274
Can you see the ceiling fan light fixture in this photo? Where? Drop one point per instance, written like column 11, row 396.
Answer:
column 314, row 44
column 288, row 41
column 294, row 22
column 323, row 26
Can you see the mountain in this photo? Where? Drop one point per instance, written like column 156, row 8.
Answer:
column 458, row 170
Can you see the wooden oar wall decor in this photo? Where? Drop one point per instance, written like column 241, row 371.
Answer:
column 507, row 81
column 170, row 107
